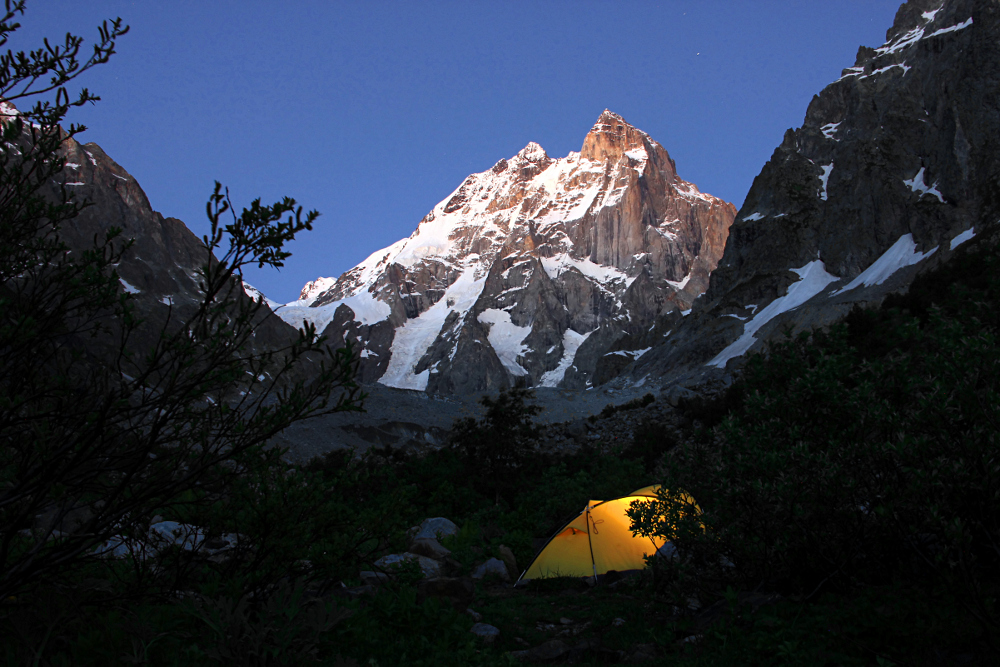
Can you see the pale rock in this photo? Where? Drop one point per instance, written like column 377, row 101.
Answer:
column 429, row 547
column 435, row 529
column 494, row 567
column 487, row 633
column 371, row 578
column 507, row 556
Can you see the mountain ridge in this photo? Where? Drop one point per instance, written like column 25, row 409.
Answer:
column 879, row 183
column 604, row 241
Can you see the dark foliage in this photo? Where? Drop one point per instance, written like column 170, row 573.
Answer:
column 101, row 432
column 497, row 447
column 857, row 457
column 634, row 404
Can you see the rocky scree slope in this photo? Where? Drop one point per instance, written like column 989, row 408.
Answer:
column 895, row 165
column 538, row 271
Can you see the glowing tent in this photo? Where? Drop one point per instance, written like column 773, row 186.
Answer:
column 597, row 541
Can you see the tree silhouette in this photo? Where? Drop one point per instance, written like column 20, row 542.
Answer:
column 99, row 427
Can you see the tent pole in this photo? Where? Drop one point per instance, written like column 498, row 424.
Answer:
column 590, row 543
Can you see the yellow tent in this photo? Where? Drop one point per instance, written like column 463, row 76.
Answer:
column 597, row 541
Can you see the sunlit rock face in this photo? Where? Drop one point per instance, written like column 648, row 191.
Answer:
column 530, row 271
column 894, row 166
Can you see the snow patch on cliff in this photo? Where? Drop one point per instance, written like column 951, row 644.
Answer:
column 830, row 130
column 902, row 253
column 557, row 265
column 506, row 338
column 413, row 339
column 813, row 279
column 367, row 310
column 824, row 178
column 960, row 26
column 919, row 185
column 571, row 343
column 963, row 237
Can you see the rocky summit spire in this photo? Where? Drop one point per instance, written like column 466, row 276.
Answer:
column 611, row 137
column 529, row 271
column 532, row 153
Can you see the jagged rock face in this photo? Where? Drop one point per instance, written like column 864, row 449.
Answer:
column 528, row 271
column 160, row 267
column 895, row 163
column 164, row 256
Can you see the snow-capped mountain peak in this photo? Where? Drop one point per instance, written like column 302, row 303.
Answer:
column 555, row 245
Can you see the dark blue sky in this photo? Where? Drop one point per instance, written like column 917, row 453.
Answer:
column 373, row 112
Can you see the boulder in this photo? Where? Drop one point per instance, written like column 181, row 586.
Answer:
column 486, row 632
column 356, row 592
column 507, row 556
column 429, row 547
column 371, row 578
column 493, row 567
column 435, row 529
column 675, row 395
column 430, row 568
column 642, row 653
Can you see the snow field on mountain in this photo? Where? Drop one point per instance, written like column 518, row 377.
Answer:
column 557, row 265
column 813, row 279
column 413, row 339
column 902, row 253
column 634, row 354
column 506, row 338
column 571, row 343
column 367, row 310
column 316, row 287
column 902, row 42
column 680, row 284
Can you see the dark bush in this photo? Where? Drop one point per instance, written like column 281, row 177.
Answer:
column 855, row 457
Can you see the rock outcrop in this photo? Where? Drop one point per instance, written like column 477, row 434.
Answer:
column 529, row 272
column 160, row 266
column 894, row 166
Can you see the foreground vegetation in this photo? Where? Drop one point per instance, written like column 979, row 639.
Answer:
column 849, row 482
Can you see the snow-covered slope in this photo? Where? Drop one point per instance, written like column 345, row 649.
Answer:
column 510, row 275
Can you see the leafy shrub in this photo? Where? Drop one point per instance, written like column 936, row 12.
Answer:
column 496, row 447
